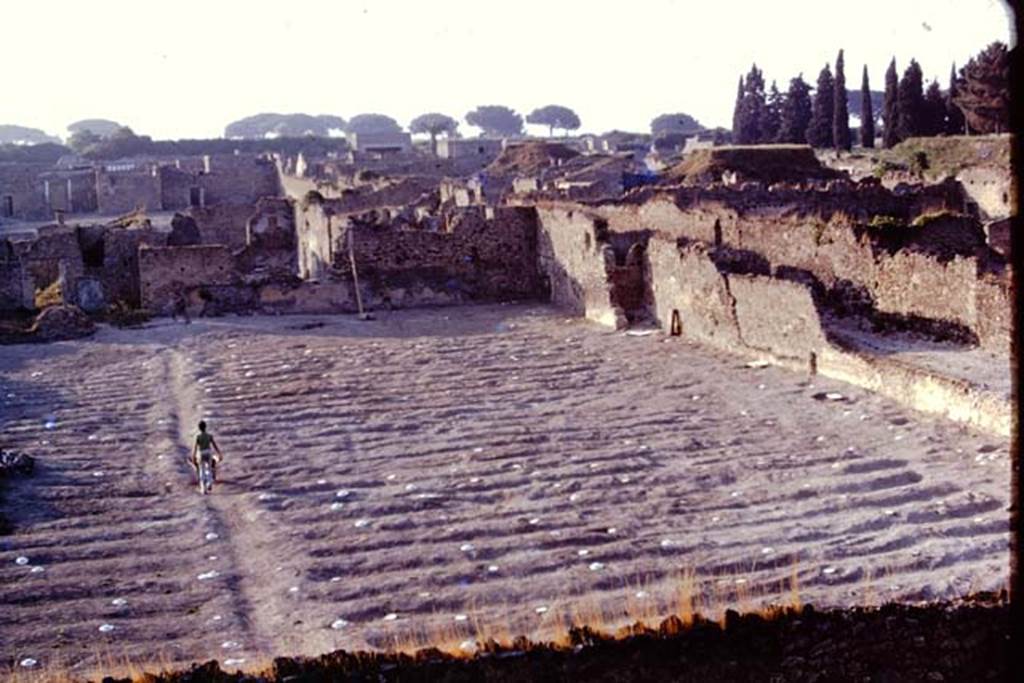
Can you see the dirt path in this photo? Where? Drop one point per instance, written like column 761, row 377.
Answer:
column 485, row 469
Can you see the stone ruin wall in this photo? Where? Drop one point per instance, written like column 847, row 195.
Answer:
column 16, row 292
column 483, row 255
column 239, row 179
column 477, row 259
column 826, row 244
column 20, row 182
column 120, row 192
column 169, row 272
column 575, row 258
column 222, row 223
column 758, row 316
column 990, row 189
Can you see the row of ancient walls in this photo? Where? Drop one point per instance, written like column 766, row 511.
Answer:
column 920, row 273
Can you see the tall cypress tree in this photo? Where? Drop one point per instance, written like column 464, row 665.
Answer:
column 771, row 126
column 737, row 113
column 954, row 117
column 840, row 111
column 819, row 132
column 890, row 137
column 867, row 114
column 910, row 110
column 751, row 109
column 796, row 112
column 934, row 122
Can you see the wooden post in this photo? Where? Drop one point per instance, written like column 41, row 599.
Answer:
column 355, row 275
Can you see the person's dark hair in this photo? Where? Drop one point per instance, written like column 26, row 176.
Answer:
column 202, row 425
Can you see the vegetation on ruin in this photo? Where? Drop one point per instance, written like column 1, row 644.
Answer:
column 930, row 217
column 942, row 156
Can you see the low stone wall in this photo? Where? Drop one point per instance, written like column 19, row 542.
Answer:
column 921, row 389
column 768, row 317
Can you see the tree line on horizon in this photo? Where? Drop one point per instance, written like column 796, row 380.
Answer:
column 493, row 120
column 106, row 139
column 976, row 101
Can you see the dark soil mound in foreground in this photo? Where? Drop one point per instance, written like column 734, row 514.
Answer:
column 61, row 322
column 941, row 642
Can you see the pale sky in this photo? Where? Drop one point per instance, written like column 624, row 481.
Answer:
column 187, row 68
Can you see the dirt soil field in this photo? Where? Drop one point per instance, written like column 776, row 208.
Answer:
column 455, row 474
